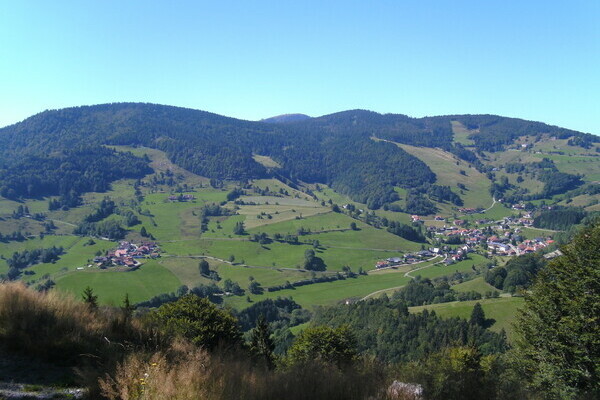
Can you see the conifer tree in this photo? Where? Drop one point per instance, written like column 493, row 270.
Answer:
column 477, row 315
column 90, row 298
column 127, row 308
column 558, row 329
column 261, row 343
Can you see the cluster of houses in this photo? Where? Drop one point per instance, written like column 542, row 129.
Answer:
column 504, row 248
column 181, row 198
column 525, row 220
column 128, row 255
column 508, row 243
column 472, row 236
column 408, row 258
column 451, row 256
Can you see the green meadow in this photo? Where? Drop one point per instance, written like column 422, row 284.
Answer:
column 149, row 280
column 478, row 285
column 447, row 169
column 503, row 310
column 284, row 211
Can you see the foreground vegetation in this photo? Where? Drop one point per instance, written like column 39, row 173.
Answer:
column 190, row 348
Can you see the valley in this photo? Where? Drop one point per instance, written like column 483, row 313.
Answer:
column 259, row 234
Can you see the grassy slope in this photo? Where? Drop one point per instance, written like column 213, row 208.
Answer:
column 461, row 134
column 461, row 266
column 110, row 286
column 478, row 285
column 177, row 227
column 330, row 292
column 447, row 169
column 77, row 253
column 502, row 309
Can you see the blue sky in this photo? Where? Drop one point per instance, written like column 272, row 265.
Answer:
column 536, row 60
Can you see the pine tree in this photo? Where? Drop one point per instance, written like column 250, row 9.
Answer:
column 90, row 298
column 558, row 329
column 261, row 343
column 127, row 308
column 477, row 316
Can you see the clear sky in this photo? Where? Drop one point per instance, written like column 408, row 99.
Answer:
column 253, row 59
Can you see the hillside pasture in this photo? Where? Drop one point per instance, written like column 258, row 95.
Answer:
column 288, row 201
column 275, row 185
column 278, row 213
column 329, row 292
column 68, row 242
column 502, row 309
column 462, row 133
column 447, row 169
column 478, row 285
column 159, row 161
column 141, row 284
column 266, row 161
column 439, row 270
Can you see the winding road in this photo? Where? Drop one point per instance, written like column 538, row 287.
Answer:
column 408, row 275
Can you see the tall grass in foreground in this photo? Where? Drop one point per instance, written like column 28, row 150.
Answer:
column 59, row 329
column 119, row 357
column 47, row 325
column 187, row 373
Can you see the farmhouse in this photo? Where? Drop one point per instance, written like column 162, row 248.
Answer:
column 181, row 198
column 128, row 255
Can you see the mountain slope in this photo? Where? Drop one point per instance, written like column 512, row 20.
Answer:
column 334, row 149
column 215, row 146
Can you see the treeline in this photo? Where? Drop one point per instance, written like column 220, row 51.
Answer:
column 405, row 231
column 443, row 194
column 336, row 149
column 16, row 236
column 417, row 203
column 420, row 292
column 21, row 260
column 559, row 220
column 212, row 146
column 95, row 224
column 311, row 281
column 68, row 174
column 518, row 273
column 109, row 229
column 418, row 200
column 408, row 232
column 212, row 292
column 211, row 210
column 555, row 182
column 495, row 132
column 558, row 182
column 106, row 208
column 279, row 310
column 386, row 330
column 28, row 258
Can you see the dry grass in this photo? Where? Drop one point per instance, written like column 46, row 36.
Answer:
column 45, row 324
column 185, row 373
column 118, row 358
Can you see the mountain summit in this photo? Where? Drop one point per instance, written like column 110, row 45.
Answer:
column 286, row 118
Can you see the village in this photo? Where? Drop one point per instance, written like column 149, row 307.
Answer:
column 128, row 255
column 492, row 238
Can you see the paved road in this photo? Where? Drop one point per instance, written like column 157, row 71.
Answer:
column 407, row 274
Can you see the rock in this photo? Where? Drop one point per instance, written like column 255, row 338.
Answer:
column 405, row 391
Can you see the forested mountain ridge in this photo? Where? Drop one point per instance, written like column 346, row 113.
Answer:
column 335, row 149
